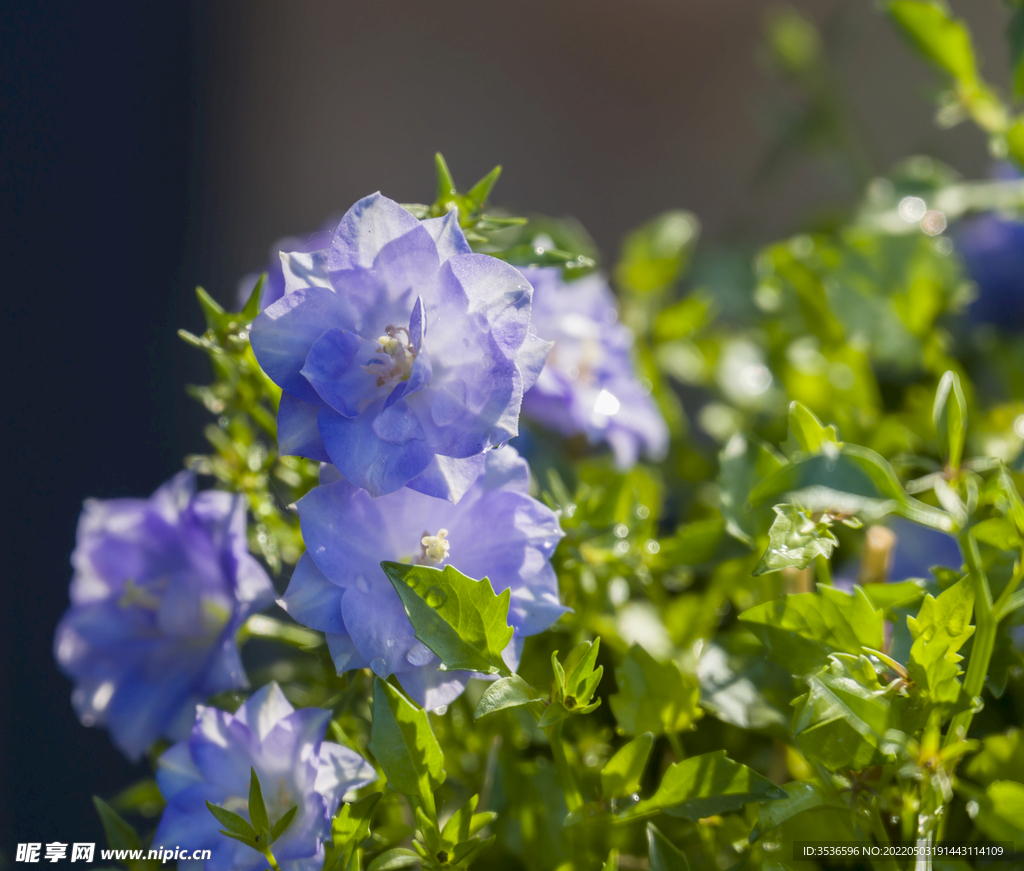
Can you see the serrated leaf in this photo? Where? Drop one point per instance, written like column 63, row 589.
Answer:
column 653, row 696
column 622, row 773
column 120, row 834
column 900, row 594
column 506, row 692
column 704, row 785
column 807, row 431
column 662, row 854
column 843, row 719
column 800, row 631
column 403, row 743
column 743, row 463
column 794, row 540
column 799, row 797
column 941, row 627
column 944, row 41
column 460, row 619
column 949, row 414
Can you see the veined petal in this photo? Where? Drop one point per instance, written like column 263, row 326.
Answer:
column 313, row 600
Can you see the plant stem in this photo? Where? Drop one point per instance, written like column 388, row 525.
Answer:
column 985, row 621
column 1007, row 601
column 823, row 570
column 261, row 626
column 570, row 790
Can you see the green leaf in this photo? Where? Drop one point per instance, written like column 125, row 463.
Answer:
column 281, row 826
column 799, row 797
column 622, row 773
column 654, row 256
column 1015, row 141
column 1006, row 486
column 461, row 620
column 653, row 696
column 479, row 193
column 807, row 432
column 949, row 414
column 794, row 540
column 506, row 692
column 742, row 464
column 901, row 594
column 1015, row 32
column 800, row 631
column 1001, row 758
column 941, row 628
column 397, row 857
column 943, row 40
column 257, row 808
column 445, row 182
column 348, row 830
column 235, row 826
column 403, row 743
column 120, row 834
column 998, row 532
column 143, row 798
column 705, row 785
column 582, row 675
column 662, row 854
column 1000, row 811
column 843, row 719
column 612, row 862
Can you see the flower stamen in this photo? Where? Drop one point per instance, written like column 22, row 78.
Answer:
column 435, row 547
column 397, row 345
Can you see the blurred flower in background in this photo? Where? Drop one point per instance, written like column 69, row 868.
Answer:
column 589, row 385
column 159, row 589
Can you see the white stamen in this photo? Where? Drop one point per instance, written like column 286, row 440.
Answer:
column 397, row 345
column 436, row 547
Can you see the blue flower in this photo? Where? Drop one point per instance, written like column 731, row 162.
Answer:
column 993, row 252
column 273, row 287
column 159, row 588
column 296, row 767
column 402, row 355
column 589, row 386
column 496, row 530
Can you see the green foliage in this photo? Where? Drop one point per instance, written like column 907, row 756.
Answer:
column 121, row 835
column 802, row 631
column 245, row 458
column 950, row 417
column 941, row 628
column 256, row 832
column 653, row 696
column 461, row 620
column 661, row 853
column 622, row 773
column 404, row 745
column 705, row 785
column 795, row 539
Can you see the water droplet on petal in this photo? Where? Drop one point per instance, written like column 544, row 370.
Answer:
column 418, row 655
column 379, row 667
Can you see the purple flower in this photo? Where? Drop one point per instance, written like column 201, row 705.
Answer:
column 159, row 588
column 296, row 767
column 273, row 287
column 402, row 355
column 589, row 386
column 496, row 530
column 993, row 252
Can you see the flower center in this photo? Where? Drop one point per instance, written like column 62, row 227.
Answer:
column 133, row 594
column 435, row 548
column 400, row 355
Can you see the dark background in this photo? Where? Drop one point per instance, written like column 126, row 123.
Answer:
column 150, row 147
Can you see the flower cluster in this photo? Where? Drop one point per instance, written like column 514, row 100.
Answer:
column 496, row 530
column 160, row 587
column 402, row 355
column 588, row 386
column 294, row 764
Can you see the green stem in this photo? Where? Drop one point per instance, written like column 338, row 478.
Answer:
column 823, row 570
column 273, row 862
column 1007, row 602
column 261, row 626
column 570, row 790
column 985, row 622
column 676, row 745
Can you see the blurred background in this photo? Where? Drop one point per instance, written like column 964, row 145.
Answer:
column 150, row 148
